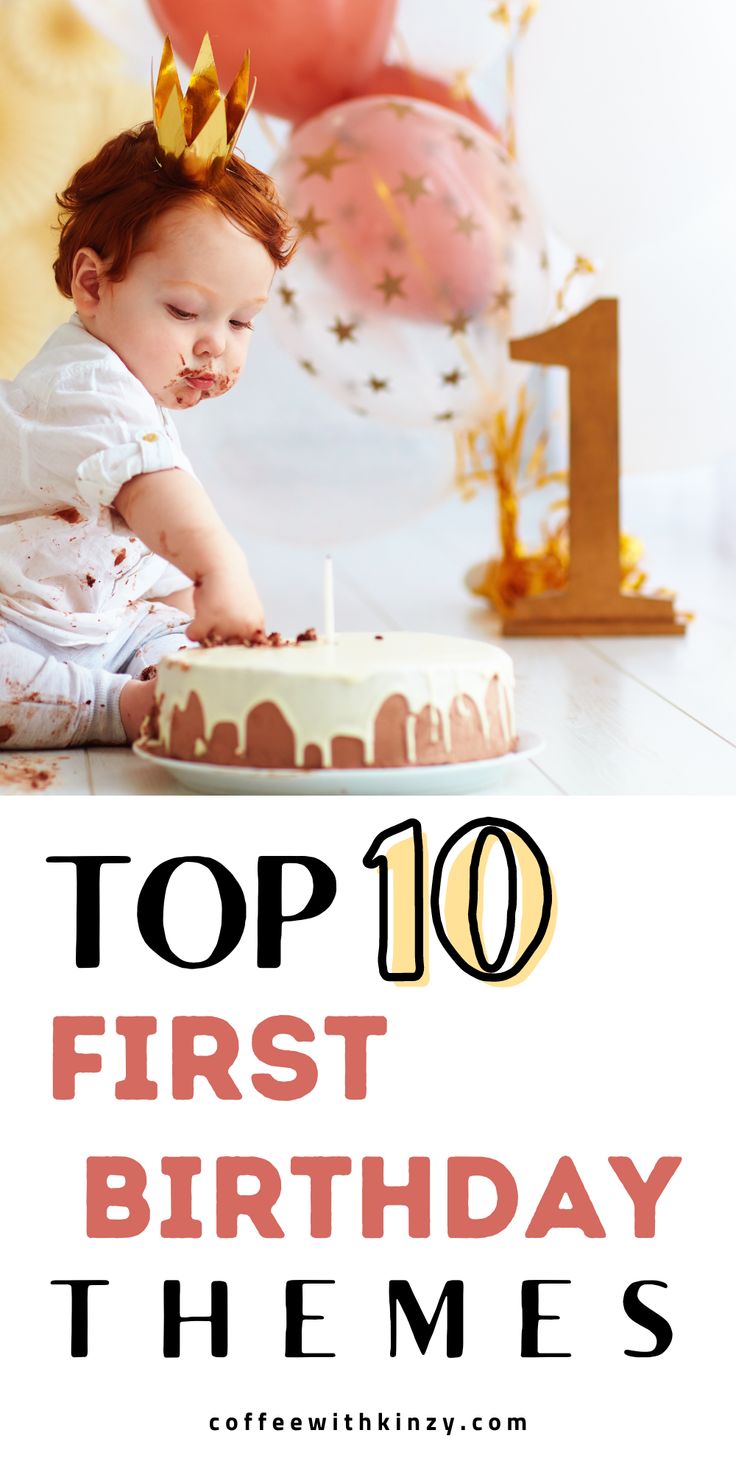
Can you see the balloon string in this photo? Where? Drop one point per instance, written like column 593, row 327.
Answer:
column 581, row 266
column 403, row 49
column 524, row 22
column 267, row 131
column 509, row 127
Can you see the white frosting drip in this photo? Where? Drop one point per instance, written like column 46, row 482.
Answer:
column 411, row 739
column 327, row 690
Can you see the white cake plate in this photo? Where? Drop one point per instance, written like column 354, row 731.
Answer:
column 451, row 777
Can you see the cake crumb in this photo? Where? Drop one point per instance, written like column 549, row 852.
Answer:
column 27, row 774
column 259, row 640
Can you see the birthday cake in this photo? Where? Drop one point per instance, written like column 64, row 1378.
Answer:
column 366, row 700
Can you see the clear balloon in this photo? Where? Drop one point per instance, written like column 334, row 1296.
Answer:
column 421, row 255
column 284, row 460
column 305, row 56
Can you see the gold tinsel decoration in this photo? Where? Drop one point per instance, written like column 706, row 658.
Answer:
column 494, row 455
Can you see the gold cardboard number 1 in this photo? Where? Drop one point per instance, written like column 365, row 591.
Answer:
column 592, row 601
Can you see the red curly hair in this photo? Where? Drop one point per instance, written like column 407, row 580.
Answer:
column 112, row 198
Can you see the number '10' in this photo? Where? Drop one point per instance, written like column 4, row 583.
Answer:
column 457, row 900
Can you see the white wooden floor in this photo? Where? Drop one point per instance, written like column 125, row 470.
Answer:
column 640, row 716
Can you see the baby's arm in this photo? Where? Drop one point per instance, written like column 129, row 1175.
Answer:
column 182, row 600
column 171, row 512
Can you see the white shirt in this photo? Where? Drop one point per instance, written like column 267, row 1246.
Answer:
column 75, row 425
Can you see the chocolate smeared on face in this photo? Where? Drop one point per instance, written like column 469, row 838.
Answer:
column 208, row 385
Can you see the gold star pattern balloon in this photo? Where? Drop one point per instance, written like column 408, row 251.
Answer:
column 421, row 254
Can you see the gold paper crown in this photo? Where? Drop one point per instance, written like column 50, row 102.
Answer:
column 198, row 132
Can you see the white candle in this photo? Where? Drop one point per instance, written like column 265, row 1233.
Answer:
column 329, row 602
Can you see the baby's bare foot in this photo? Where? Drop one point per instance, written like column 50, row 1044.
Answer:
column 136, row 702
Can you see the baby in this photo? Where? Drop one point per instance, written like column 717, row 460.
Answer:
column 111, row 553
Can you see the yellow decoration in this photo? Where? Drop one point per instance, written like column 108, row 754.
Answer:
column 65, row 93
column 458, row 324
column 49, row 45
column 493, row 454
column 412, row 186
column 581, row 266
column 502, row 300
column 323, row 164
column 391, row 286
column 37, row 153
column 198, row 131
column 525, row 19
column 399, row 109
column 460, row 84
column 344, row 331
column 309, row 225
column 466, row 225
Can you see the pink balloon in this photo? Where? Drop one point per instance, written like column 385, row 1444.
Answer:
column 410, row 209
column 306, row 54
column 391, row 80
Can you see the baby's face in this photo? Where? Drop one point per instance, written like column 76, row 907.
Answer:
column 181, row 319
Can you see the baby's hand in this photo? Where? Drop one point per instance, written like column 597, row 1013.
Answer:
column 226, row 605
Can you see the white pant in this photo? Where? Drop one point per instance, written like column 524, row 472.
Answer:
column 47, row 700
